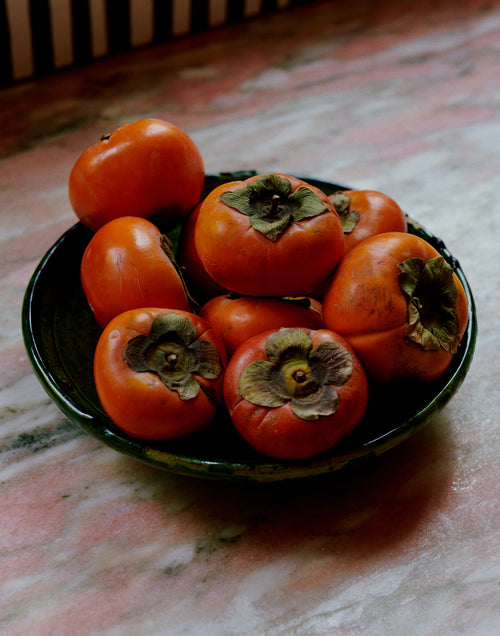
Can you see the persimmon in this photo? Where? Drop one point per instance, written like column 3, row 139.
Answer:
column 269, row 235
column 400, row 305
column 238, row 318
column 293, row 393
column 158, row 372
column 127, row 264
column 147, row 168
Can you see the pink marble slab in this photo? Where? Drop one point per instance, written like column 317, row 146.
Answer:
column 402, row 97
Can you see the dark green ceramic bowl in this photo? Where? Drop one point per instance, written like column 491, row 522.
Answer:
column 60, row 335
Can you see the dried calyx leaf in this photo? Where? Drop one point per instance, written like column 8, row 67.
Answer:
column 271, row 206
column 298, row 301
column 341, row 203
column 173, row 352
column 432, row 300
column 168, row 248
column 298, row 373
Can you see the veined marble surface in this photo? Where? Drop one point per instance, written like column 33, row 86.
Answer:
column 402, row 97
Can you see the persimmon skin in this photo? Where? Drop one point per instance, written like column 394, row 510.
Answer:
column 199, row 283
column 145, row 168
column 139, row 403
column 124, row 266
column 378, row 213
column 366, row 305
column 241, row 259
column 238, row 319
column 278, row 432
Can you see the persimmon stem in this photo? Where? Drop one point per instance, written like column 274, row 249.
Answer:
column 299, row 376
column 172, row 359
column 275, row 201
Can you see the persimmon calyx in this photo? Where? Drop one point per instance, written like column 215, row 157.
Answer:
column 167, row 247
column 432, row 299
column 341, row 203
column 298, row 373
column 173, row 352
column 271, row 205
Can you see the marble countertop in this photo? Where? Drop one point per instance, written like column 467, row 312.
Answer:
column 401, row 97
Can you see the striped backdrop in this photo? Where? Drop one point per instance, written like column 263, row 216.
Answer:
column 38, row 37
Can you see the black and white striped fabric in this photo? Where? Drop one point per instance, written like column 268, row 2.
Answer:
column 38, row 37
